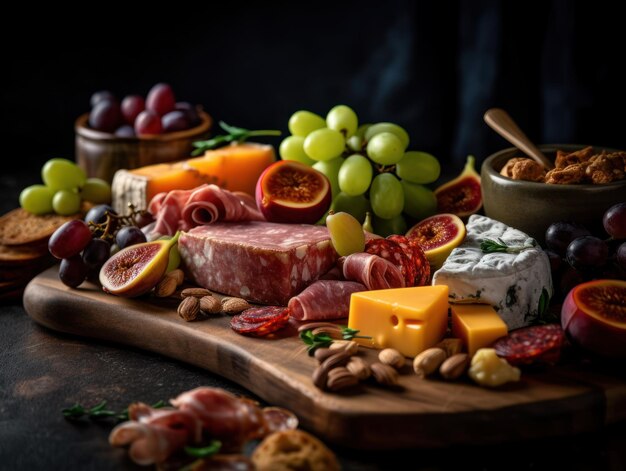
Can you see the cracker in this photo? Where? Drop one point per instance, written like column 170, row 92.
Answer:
column 19, row 227
column 22, row 255
column 293, row 450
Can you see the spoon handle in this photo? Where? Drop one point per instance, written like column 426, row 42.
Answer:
column 502, row 123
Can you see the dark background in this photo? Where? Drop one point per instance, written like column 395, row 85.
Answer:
column 433, row 67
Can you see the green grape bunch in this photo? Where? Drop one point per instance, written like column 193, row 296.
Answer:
column 369, row 166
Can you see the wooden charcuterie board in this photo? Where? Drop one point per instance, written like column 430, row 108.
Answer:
column 422, row 413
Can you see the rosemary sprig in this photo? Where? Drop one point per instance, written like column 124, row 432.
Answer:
column 491, row 246
column 324, row 340
column 234, row 134
column 99, row 411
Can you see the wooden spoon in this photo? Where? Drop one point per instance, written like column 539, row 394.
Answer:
column 502, row 123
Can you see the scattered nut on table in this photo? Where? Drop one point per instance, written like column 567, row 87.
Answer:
column 234, row 305
column 165, row 288
column 341, row 378
column 359, row 368
column 384, row 374
column 455, row 366
column 189, row 308
column 195, row 292
column 392, row 357
column 178, row 275
column 347, row 345
column 210, row 305
column 429, row 361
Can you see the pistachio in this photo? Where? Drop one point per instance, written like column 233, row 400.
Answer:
column 359, row 368
column 392, row 357
column 234, row 305
column 195, row 292
column 384, row 374
column 189, row 308
column 210, row 305
column 455, row 366
column 165, row 288
column 427, row 362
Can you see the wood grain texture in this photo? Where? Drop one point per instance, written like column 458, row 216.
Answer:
column 429, row 413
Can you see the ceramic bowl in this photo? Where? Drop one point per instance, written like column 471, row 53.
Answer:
column 102, row 154
column 532, row 207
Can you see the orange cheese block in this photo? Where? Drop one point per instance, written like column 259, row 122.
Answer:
column 407, row 319
column 236, row 167
column 478, row 325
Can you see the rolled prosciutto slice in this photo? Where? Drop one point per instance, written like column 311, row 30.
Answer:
column 184, row 209
column 324, row 300
column 371, row 270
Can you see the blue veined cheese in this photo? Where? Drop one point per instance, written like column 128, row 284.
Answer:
column 517, row 285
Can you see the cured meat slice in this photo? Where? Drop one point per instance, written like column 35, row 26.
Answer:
column 260, row 321
column 390, row 250
column 206, row 204
column 417, row 258
column 535, row 344
column 323, row 300
column 259, row 261
column 371, row 270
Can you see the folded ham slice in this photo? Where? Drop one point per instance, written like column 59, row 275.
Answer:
column 184, row 209
column 324, row 300
column 371, row 270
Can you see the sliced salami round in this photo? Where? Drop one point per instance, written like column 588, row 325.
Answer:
column 418, row 261
column 528, row 345
column 260, row 321
column 391, row 251
column 263, row 313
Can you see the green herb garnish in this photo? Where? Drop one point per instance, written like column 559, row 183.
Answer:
column 206, row 451
column 324, row 340
column 234, row 134
column 99, row 411
column 491, row 246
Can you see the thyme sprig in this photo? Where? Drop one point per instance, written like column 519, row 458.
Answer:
column 206, row 451
column 100, row 411
column 324, row 340
column 491, row 246
column 234, row 134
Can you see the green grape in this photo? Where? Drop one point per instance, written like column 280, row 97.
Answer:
column 377, row 128
column 367, row 223
column 62, row 174
column 66, row 202
column 355, row 175
column 346, row 233
column 292, row 148
column 386, row 196
column 37, row 199
column 386, row 227
column 356, row 142
column 96, row 191
column 330, row 168
column 304, row 122
column 419, row 201
column 324, row 144
column 358, row 206
column 342, row 118
column 418, row 167
column 362, row 129
column 385, row 148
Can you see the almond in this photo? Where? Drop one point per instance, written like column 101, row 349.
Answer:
column 392, row 357
column 189, row 308
column 234, row 305
column 210, row 305
column 178, row 275
column 195, row 292
column 165, row 288
column 455, row 366
column 340, row 378
column 384, row 374
column 427, row 362
column 359, row 368
column 451, row 346
column 348, row 345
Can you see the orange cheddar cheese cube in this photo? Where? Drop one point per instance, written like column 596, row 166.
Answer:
column 407, row 319
column 478, row 325
column 236, row 167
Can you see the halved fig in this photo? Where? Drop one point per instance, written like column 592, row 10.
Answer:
column 136, row 269
column 594, row 317
column 462, row 195
column 291, row 192
column 437, row 236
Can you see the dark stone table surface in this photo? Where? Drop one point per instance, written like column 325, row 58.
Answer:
column 42, row 371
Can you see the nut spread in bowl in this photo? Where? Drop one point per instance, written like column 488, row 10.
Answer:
column 532, row 205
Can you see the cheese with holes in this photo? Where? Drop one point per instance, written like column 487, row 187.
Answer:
column 517, row 285
column 407, row 319
column 236, row 167
column 478, row 325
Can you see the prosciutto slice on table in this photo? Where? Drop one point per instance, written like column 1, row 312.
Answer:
column 184, row 209
column 324, row 300
column 371, row 270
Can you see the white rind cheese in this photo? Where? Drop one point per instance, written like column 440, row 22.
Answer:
column 128, row 188
column 517, row 285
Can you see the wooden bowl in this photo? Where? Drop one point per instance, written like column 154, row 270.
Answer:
column 532, row 207
column 102, row 154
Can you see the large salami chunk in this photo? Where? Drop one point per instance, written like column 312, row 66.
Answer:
column 324, row 300
column 371, row 270
column 259, row 261
column 417, row 258
column 391, row 251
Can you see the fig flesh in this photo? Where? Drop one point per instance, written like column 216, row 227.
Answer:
column 291, row 192
column 462, row 195
column 438, row 235
column 136, row 269
column 594, row 317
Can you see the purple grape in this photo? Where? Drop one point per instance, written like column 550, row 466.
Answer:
column 175, row 121
column 97, row 214
column 129, row 235
column 73, row 271
column 190, row 110
column 560, row 234
column 614, row 221
column 143, row 219
column 101, row 96
column 620, row 256
column 69, row 239
column 96, row 253
column 125, row 131
column 131, row 106
column 105, row 116
column 587, row 253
